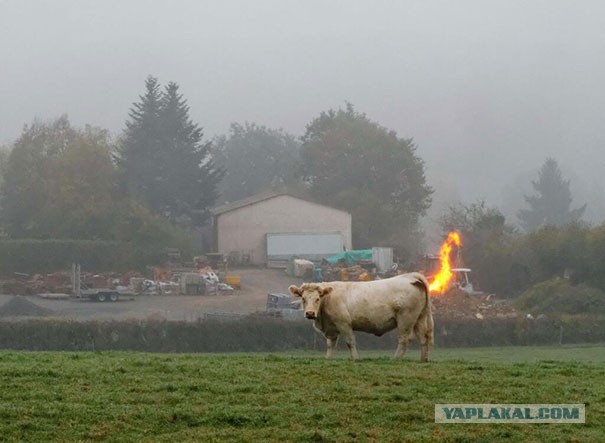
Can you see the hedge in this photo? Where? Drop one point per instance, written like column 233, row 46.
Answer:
column 267, row 334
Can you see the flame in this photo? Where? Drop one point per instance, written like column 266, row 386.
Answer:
column 443, row 277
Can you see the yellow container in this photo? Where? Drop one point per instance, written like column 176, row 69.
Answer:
column 234, row 281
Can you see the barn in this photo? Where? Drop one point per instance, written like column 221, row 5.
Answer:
column 268, row 228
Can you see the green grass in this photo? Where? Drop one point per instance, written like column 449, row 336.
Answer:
column 129, row 397
column 588, row 353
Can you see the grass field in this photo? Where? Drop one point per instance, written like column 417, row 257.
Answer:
column 135, row 397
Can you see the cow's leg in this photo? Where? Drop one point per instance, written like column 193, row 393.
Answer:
column 331, row 341
column 349, row 336
column 424, row 331
column 424, row 352
column 402, row 346
column 421, row 331
column 404, row 330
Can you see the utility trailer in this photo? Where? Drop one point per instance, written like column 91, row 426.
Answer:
column 105, row 294
column 98, row 294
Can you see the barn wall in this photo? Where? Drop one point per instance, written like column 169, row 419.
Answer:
column 244, row 229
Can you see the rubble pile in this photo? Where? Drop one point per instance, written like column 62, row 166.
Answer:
column 165, row 282
column 341, row 272
column 36, row 284
column 457, row 303
column 60, row 282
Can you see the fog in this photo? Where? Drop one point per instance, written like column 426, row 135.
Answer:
column 487, row 90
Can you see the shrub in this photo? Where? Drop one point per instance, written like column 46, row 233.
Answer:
column 262, row 334
column 560, row 296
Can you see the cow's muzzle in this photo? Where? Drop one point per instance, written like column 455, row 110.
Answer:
column 310, row 315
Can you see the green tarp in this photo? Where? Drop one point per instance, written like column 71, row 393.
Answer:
column 352, row 257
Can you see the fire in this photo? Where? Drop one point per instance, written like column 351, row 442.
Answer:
column 443, row 277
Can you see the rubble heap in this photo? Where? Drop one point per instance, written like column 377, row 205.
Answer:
column 60, row 282
column 457, row 303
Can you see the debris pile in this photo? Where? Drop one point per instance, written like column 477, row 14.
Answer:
column 457, row 303
column 341, row 272
column 60, row 282
column 164, row 282
column 23, row 284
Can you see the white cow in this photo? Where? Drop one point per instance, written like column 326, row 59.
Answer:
column 379, row 306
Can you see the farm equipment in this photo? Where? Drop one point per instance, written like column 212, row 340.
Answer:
column 192, row 284
column 282, row 305
column 102, row 294
column 461, row 280
column 430, row 265
column 234, row 281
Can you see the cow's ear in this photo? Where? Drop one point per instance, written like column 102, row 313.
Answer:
column 325, row 291
column 295, row 291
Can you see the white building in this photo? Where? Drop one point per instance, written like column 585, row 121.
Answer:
column 247, row 228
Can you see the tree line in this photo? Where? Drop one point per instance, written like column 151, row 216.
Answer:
column 157, row 181
column 557, row 264
column 161, row 175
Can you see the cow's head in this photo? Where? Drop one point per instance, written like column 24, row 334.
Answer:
column 311, row 295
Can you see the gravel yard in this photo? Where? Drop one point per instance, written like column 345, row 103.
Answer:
column 256, row 284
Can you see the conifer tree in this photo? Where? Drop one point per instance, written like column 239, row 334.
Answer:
column 164, row 162
column 550, row 206
column 138, row 157
column 191, row 175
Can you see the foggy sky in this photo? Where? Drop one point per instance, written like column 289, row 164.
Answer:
column 487, row 89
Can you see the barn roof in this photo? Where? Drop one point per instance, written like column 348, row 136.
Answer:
column 249, row 201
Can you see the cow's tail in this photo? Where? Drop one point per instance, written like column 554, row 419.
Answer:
column 424, row 325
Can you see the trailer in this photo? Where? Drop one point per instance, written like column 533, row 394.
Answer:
column 105, row 294
column 98, row 294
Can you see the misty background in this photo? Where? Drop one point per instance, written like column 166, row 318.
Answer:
column 487, row 90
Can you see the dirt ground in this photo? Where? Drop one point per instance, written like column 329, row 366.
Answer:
column 256, row 284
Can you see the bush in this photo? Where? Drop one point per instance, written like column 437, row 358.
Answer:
column 262, row 334
column 560, row 296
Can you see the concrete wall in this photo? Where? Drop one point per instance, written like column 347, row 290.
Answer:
column 243, row 230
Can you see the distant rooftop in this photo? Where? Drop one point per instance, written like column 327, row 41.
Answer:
column 259, row 198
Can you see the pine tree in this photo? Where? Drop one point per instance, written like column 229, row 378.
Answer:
column 164, row 160
column 139, row 157
column 192, row 176
column 550, row 206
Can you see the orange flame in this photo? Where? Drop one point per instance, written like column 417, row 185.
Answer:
column 443, row 277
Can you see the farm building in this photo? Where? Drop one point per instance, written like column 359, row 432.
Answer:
column 270, row 228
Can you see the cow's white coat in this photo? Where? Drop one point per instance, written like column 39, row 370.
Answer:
column 339, row 308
